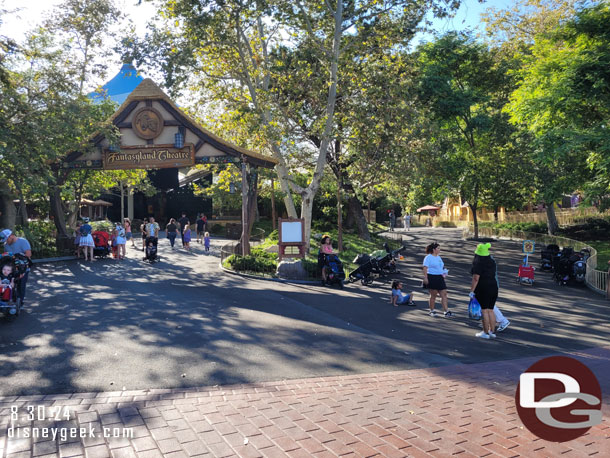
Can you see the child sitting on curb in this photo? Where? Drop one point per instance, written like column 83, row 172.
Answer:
column 398, row 298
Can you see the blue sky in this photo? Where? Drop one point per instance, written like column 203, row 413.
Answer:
column 468, row 16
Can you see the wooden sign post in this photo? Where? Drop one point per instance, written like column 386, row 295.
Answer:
column 291, row 234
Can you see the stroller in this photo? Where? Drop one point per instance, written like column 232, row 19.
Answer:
column 334, row 269
column 546, row 257
column 364, row 272
column 380, row 262
column 10, row 302
column 101, row 240
column 563, row 265
column 151, row 250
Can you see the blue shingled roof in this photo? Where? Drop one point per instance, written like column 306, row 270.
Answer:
column 119, row 87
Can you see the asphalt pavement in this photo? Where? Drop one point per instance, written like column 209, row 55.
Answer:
column 128, row 325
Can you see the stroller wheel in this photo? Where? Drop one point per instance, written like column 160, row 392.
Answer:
column 367, row 281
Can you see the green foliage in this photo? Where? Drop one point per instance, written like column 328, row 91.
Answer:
column 473, row 151
column 540, row 228
column 563, row 100
column 102, row 226
column 254, row 262
column 444, row 224
column 217, row 229
column 41, row 235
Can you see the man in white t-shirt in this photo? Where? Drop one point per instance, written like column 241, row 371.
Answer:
column 152, row 228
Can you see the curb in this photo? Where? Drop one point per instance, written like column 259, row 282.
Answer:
column 277, row 280
column 58, row 259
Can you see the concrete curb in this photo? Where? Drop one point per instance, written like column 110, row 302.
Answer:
column 278, row 280
column 58, row 259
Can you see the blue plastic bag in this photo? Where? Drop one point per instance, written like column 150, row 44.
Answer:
column 474, row 309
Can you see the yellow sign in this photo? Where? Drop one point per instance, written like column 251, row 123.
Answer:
column 529, row 246
column 149, row 157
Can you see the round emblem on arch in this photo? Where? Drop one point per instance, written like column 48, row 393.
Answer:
column 147, row 123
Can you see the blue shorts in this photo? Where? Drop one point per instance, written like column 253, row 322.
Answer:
column 128, row 234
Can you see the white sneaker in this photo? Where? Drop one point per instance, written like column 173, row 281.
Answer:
column 503, row 326
column 482, row 335
column 492, row 335
column 432, row 313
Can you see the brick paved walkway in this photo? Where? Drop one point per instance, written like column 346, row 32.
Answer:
column 463, row 410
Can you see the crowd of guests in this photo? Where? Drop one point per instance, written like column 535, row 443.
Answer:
column 122, row 233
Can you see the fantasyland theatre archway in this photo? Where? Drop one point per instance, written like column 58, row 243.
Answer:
column 156, row 134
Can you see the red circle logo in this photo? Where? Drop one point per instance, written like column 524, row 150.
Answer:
column 558, row 399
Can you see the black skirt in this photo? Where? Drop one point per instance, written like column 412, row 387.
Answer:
column 436, row 282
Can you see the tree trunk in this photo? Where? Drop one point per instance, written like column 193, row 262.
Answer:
column 356, row 214
column 9, row 212
column 282, row 173
column 475, row 220
column 249, row 206
column 273, row 215
column 496, row 213
column 306, row 209
column 57, row 211
column 552, row 224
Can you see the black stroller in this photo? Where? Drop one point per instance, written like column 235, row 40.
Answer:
column 566, row 269
column 151, row 250
column 364, row 272
column 376, row 263
column 546, row 257
column 333, row 267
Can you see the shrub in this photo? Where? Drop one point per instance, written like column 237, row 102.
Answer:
column 311, row 267
column 251, row 263
column 217, row 229
column 102, row 226
column 41, row 235
column 263, row 254
column 540, row 228
column 444, row 224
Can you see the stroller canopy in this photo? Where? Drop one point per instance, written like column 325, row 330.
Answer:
column 101, row 238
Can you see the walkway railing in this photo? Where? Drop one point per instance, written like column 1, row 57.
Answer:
column 595, row 279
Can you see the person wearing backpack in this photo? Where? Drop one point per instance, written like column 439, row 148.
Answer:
column 484, row 287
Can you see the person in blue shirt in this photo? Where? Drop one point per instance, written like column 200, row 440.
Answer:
column 17, row 245
column 86, row 239
column 398, row 298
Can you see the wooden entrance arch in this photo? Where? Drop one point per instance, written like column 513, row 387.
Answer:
column 156, row 134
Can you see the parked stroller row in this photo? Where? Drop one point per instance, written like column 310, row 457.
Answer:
column 370, row 266
column 567, row 265
column 378, row 264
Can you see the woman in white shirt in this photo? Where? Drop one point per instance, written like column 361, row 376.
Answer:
column 434, row 278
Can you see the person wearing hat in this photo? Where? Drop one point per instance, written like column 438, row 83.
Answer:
column 17, row 245
column 484, row 287
column 86, row 239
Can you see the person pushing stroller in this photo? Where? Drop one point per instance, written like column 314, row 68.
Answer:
column 152, row 239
